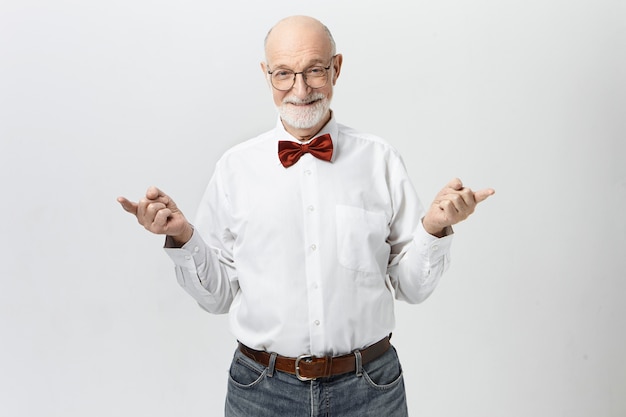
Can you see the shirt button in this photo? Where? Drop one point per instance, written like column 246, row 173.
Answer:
column 317, row 322
column 311, row 208
column 187, row 257
column 196, row 249
column 435, row 247
column 307, row 172
column 313, row 247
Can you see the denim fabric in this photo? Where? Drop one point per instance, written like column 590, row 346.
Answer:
column 256, row 391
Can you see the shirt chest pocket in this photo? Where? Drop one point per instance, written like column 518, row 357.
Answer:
column 362, row 239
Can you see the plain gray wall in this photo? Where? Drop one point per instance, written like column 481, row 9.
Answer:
column 104, row 98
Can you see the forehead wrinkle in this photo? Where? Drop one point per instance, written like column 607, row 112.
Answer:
column 297, row 60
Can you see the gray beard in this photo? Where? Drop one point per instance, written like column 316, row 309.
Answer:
column 299, row 118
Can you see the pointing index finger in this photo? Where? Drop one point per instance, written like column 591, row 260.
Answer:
column 128, row 205
column 482, row 195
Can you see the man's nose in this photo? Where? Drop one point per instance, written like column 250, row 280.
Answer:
column 300, row 88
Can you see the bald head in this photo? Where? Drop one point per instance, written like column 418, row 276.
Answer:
column 296, row 32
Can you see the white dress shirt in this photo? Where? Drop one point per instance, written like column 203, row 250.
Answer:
column 308, row 259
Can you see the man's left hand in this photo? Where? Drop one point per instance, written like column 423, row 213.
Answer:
column 453, row 204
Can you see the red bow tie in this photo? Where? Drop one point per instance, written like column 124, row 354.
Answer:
column 290, row 152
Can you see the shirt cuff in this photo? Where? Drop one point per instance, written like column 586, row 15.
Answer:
column 189, row 255
column 433, row 245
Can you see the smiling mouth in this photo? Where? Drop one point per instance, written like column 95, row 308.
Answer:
column 304, row 103
column 308, row 103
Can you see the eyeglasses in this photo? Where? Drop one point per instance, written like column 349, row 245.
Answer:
column 315, row 77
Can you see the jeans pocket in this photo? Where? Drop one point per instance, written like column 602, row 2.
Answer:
column 384, row 373
column 244, row 373
column 383, row 384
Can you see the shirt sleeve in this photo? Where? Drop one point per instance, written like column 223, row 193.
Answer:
column 206, row 271
column 418, row 271
column 418, row 259
column 200, row 272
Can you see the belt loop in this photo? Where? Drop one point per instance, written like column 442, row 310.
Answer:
column 358, row 364
column 272, row 365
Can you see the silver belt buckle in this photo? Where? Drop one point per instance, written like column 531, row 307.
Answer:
column 305, row 358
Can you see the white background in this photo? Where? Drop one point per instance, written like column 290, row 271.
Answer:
column 104, row 98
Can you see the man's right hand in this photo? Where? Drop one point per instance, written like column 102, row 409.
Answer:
column 158, row 213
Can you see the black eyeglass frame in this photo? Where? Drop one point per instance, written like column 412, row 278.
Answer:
column 295, row 74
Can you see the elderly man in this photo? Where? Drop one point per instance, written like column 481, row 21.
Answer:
column 305, row 235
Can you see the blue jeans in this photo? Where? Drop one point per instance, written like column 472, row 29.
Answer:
column 257, row 391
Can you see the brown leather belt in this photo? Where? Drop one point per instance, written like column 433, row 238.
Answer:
column 309, row 367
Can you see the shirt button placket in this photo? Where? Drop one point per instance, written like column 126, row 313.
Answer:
column 310, row 196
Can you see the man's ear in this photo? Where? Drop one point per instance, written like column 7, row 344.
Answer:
column 264, row 68
column 337, row 67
